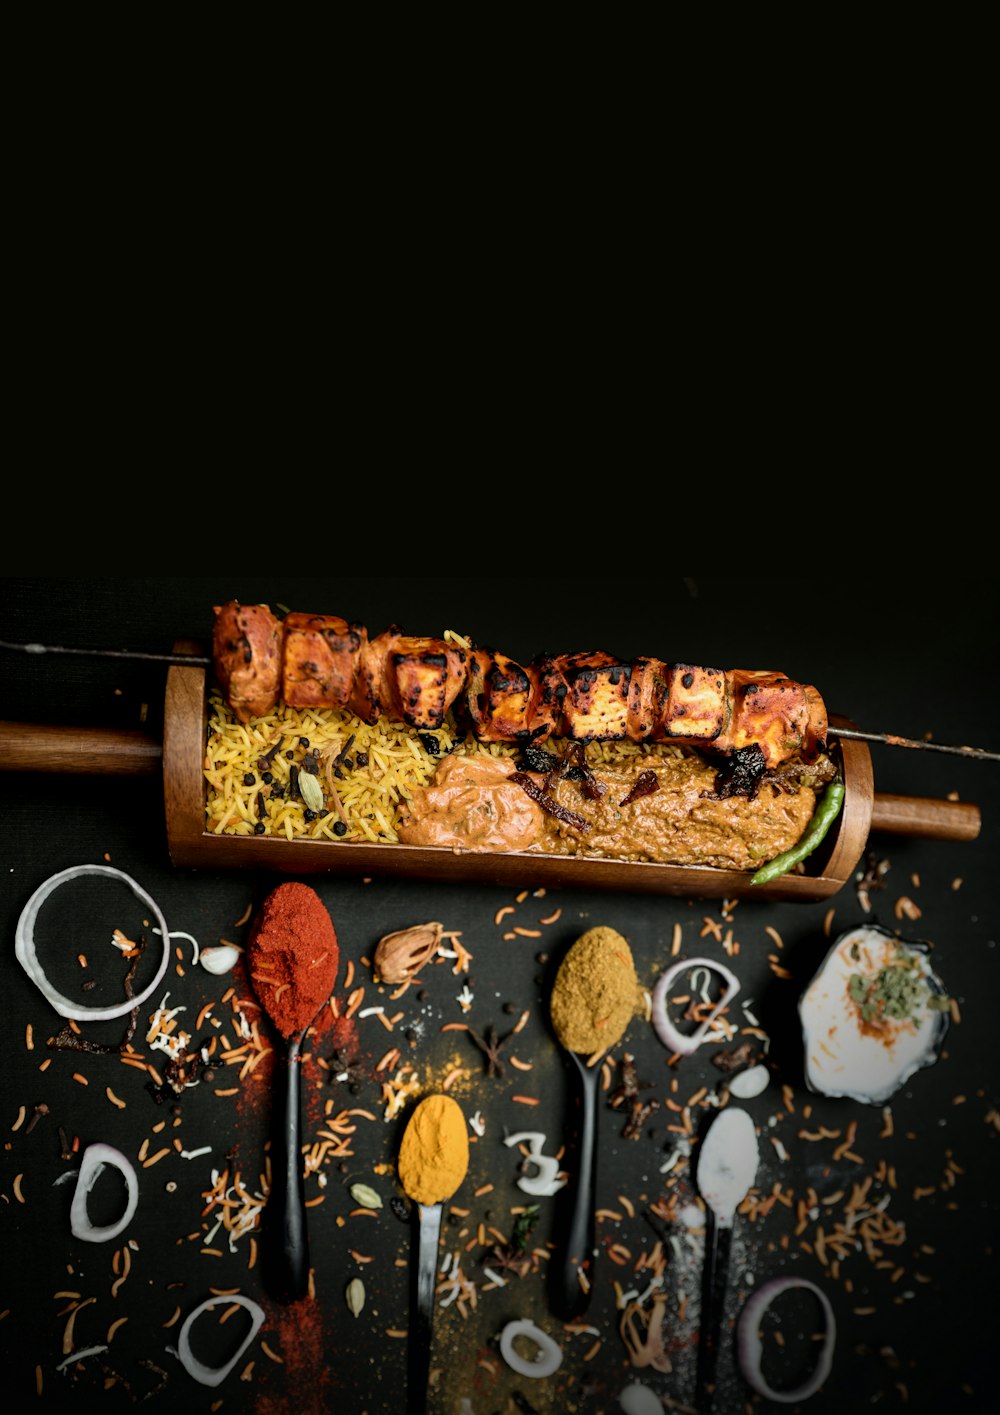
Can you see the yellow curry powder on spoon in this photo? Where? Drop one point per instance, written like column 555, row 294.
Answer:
column 596, row 992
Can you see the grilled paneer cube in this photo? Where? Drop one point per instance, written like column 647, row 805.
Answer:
column 647, row 694
column 766, row 708
column 498, row 697
column 322, row 653
column 595, row 704
column 695, row 705
column 247, row 643
column 426, row 676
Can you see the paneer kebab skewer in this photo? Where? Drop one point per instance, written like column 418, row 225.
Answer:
column 313, row 660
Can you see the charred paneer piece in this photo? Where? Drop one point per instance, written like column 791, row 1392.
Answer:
column 322, row 654
column 498, row 697
column 595, row 703
column 426, row 677
column 247, row 647
column 766, row 708
column 695, row 705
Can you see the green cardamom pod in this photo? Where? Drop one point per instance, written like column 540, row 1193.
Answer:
column 367, row 1197
column 311, row 791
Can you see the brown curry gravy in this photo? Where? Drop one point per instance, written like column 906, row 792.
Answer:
column 472, row 804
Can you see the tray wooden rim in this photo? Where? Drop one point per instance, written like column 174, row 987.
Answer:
column 191, row 846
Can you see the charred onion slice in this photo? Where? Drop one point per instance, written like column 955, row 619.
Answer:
column 24, row 946
column 215, row 1375
column 750, row 1349
column 95, row 1157
column 668, row 1034
column 547, row 803
column 645, row 784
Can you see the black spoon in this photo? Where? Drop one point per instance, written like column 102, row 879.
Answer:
column 574, row 1288
column 727, row 1167
column 285, row 1239
column 293, row 959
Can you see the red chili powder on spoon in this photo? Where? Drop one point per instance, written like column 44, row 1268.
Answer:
column 293, row 956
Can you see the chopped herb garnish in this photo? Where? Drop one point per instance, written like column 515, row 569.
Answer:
column 898, row 991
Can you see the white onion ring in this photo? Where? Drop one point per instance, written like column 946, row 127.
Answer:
column 215, row 1375
column 546, row 1180
column 24, row 946
column 668, row 1034
column 750, row 1350
column 95, row 1157
column 549, row 1357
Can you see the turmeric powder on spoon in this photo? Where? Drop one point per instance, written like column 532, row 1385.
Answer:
column 434, row 1154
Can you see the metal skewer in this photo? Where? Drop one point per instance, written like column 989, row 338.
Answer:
column 191, row 660
column 891, row 740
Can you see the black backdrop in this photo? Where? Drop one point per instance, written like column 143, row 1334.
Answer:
column 915, row 1306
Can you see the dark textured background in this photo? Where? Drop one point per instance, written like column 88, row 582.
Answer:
column 911, row 657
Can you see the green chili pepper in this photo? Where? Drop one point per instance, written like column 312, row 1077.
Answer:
column 823, row 817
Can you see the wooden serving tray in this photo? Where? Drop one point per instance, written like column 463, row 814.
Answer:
column 192, row 846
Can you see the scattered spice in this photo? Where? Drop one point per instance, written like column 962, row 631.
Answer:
column 490, row 1044
column 400, row 956
column 625, row 1096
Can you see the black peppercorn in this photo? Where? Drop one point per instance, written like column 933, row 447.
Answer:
column 340, row 828
column 303, row 741
column 248, row 778
column 309, row 815
column 362, row 759
column 259, row 828
column 267, row 778
column 347, row 762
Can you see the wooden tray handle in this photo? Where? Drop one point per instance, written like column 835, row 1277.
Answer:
column 93, row 751
column 926, row 817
